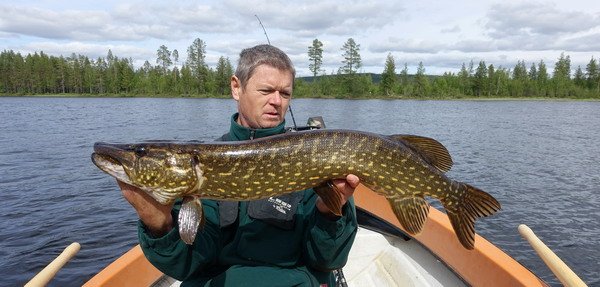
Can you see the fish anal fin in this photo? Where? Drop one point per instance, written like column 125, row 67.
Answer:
column 330, row 196
column 476, row 203
column 191, row 219
column 432, row 151
column 411, row 212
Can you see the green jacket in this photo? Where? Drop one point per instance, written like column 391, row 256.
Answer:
column 256, row 243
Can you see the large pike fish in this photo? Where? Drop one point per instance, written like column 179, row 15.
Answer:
column 404, row 168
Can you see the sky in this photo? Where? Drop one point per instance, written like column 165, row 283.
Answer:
column 441, row 34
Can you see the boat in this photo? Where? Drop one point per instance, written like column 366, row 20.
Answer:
column 383, row 254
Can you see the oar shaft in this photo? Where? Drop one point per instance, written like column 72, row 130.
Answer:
column 564, row 274
column 42, row 278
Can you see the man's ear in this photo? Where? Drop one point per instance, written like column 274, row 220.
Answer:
column 236, row 88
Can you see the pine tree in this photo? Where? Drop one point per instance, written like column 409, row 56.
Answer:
column 388, row 77
column 196, row 63
column 592, row 72
column 223, row 76
column 561, row 78
column 315, row 57
column 492, row 81
column 579, row 77
column 404, row 88
column 352, row 61
column 464, row 80
column 480, row 81
column 421, row 81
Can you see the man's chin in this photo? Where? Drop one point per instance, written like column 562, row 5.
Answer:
column 270, row 121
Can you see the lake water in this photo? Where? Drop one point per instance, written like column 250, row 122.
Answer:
column 540, row 159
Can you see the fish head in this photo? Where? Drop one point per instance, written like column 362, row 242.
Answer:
column 161, row 169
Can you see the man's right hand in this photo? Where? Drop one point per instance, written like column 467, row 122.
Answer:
column 155, row 216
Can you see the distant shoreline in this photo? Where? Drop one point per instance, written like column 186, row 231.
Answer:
column 317, row 97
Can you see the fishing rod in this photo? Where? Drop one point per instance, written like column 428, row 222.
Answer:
column 269, row 42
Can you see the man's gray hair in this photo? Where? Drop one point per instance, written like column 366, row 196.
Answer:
column 250, row 58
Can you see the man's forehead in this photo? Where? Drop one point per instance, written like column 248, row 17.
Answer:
column 267, row 76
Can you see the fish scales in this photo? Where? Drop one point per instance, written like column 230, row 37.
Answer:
column 308, row 162
column 403, row 168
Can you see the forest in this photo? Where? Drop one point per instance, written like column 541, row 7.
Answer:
column 78, row 75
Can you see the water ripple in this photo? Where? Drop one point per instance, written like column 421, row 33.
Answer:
column 540, row 159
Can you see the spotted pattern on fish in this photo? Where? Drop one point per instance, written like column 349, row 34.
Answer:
column 405, row 169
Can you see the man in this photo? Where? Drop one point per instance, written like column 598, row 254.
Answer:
column 291, row 240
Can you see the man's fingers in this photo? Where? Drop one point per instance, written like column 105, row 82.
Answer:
column 353, row 180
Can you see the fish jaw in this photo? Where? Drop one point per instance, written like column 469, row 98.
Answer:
column 111, row 166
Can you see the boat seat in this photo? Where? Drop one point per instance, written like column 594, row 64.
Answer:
column 378, row 260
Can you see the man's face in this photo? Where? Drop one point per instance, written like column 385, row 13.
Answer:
column 265, row 99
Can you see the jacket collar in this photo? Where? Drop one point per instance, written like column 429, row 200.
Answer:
column 238, row 132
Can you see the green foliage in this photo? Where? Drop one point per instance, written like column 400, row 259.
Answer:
column 163, row 58
column 223, row 76
column 421, row 82
column 196, row 62
column 315, row 57
column 480, row 81
column 352, row 61
column 39, row 73
column 592, row 71
column 389, row 78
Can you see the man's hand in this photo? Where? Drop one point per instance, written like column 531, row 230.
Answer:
column 344, row 187
column 155, row 216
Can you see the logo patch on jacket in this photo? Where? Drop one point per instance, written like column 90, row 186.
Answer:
column 280, row 205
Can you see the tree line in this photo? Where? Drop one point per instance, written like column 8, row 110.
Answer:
column 40, row 73
column 472, row 81
column 43, row 74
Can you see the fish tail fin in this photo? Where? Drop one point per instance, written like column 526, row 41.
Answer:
column 411, row 212
column 191, row 218
column 462, row 214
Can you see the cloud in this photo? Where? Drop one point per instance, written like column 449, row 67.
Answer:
column 49, row 24
column 536, row 18
column 92, row 51
column 124, row 22
column 454, row 29
column 589, row 42
column 394, row 44
column 317, row 18
column 441, row 35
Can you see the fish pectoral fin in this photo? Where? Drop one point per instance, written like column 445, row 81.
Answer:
column 476, row 203
column 432, row 151
column 411, row 212
column 331, row 197
column 191, row 219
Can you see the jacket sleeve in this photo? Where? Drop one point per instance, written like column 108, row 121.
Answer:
column 328, row 242
column 172, row 256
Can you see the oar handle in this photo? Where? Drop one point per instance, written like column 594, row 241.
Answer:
column 42, row 278
column 564, row 274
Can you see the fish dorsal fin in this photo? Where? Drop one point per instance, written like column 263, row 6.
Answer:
column 432, row 151
column 411, row 212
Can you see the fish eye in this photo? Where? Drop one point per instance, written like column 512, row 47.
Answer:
column 140, row 151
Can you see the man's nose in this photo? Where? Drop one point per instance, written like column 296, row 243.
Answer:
column 275, row 99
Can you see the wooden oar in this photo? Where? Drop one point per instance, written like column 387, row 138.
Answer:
column 42, row 278
column 564, row 274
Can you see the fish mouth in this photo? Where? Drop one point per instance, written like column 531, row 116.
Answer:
column 106, row 157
